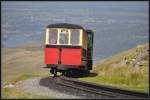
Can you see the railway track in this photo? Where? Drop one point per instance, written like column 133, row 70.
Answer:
column 94, row 91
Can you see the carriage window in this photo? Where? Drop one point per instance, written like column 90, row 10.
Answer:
column 63, row 38
column 75, row 34
column 53, row 36
column 90, row 43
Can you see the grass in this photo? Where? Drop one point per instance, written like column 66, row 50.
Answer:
column 21, row 63
column 27, row 61
column 111, row 72
column 121, row 77
column 14, row 93
column 23, row 77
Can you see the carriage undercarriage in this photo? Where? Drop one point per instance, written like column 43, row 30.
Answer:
column 68, row 70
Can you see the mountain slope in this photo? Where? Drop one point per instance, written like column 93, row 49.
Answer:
column 128, row 69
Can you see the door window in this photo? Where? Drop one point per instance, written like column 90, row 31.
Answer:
column 63, row 38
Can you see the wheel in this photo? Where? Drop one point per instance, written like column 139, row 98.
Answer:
column 87, row 71
column 63, row 73
column 67, row 73
column 52, row 71
column 55, row 73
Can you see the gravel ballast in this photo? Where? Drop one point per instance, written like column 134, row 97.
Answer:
column 33, row 86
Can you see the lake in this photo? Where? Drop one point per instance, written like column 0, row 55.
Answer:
column 117, row 26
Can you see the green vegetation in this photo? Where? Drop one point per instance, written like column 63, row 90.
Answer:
column 14, row 93
column 22, row 63
column 24, row 77
column 131, row 73
column 27, row 61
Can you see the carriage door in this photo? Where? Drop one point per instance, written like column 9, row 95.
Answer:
column 90, row 50
column 64, row 35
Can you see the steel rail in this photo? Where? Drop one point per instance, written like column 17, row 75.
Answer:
column 99, row 90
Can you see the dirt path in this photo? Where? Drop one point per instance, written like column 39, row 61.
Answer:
column 33, row 86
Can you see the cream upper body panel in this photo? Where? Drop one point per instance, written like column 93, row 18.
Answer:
column 47, row 36
column 82, row 36
column 84, row 40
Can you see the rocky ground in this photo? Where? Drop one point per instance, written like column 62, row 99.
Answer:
column 33, row 86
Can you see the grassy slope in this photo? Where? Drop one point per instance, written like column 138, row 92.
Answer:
column 114, row 72
column 14, row 93
column 27, row 61
column 21, row 63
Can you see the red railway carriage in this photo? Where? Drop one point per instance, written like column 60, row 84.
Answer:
column 68, row 48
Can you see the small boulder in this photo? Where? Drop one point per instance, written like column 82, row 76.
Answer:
column 9, row 86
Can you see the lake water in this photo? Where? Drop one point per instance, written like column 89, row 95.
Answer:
column 117, row 26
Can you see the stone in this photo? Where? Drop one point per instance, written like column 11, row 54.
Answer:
column 9, row 86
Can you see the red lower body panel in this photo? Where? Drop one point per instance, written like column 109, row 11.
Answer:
column 51, row 55
column 71, row 56
column 68, row 56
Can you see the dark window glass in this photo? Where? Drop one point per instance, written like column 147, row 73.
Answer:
column 90, row 40
column 53, row 36
column 75, row 37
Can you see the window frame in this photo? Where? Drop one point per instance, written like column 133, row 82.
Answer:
column 49, row 30
column 79, row 37
column 58, row 38
column 69, row 36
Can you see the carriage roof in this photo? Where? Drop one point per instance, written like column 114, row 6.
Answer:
column 65, row 25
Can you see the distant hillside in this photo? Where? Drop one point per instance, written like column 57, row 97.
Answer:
column 128, row 69
column 135, row 57
column 23, row 60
